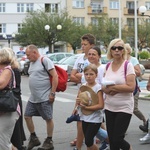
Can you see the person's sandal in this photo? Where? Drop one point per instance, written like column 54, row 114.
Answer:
column 73, row 143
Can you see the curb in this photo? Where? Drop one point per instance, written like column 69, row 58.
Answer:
column 144, row 98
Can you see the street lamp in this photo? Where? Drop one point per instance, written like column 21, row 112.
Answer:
column 52, row 36
column 143, row 9
column 9, row 37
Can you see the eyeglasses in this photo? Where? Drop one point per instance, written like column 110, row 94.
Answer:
column 117, row 47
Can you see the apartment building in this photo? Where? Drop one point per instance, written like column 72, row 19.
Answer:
column 12, row 13
column 84, row 11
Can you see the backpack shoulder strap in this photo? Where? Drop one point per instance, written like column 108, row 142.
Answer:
column 125, row 68
column 108, row 64
column 44, row 66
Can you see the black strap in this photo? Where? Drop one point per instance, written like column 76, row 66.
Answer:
column 44, row 66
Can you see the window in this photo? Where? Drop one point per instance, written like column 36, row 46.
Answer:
column 52, row 8
column 29, row 7
column 114, row 4
column 96, row 7
column 94, row 21
column 2, row 7
column 22, row 7
column 130, row 5
column 130, row 22
column 78, row 3
column 79, row 20
column 3, row 28
column 147, row 5
column 148, row 20
column 114, row 20
column 19, row 27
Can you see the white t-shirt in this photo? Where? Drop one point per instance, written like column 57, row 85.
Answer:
column 120, row 102
column 39, row 82
column 97, row 115
column 80, row 63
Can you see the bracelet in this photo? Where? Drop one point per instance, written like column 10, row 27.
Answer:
column 53, row 94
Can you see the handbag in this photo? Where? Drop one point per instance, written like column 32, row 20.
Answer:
column 8, row 101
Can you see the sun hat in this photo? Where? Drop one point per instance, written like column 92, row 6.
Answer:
column 88, row 98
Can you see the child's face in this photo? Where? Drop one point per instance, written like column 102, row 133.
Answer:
column 90, row 76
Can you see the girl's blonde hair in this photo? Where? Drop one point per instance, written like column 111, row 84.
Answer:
column 93, row 67
column 112, row 43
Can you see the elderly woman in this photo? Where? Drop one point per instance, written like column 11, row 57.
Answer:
column 119, row 102
column 7, row 119
column 137, row 70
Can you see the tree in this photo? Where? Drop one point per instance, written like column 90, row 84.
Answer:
column 105, row 30
column 33, row 30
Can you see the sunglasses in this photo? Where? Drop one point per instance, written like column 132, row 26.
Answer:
column 117, row 47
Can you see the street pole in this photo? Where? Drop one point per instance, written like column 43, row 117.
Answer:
column 120, row 36
column 8, row 42
column 135, row 25
column 52, row 36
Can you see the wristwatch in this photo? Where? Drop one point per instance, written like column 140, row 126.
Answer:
column 53, row 94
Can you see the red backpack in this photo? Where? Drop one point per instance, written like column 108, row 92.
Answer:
column 62, row 77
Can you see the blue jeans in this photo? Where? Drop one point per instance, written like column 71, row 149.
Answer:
column 102, row 134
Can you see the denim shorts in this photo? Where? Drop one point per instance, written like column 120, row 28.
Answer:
column 43, row 109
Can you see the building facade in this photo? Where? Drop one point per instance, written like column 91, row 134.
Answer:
column 13, row 12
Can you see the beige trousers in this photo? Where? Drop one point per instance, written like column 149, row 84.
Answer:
column 7, row 124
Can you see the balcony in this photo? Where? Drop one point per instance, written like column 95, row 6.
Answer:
column 128, row 11
column 97, row 11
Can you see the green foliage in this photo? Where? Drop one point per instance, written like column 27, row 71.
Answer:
column 105, row 30
column 34, row 32
column 144, row 55
column 133, row 54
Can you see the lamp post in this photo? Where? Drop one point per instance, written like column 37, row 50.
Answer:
column 9, row 37
column 135, row 27
column 143, row 9
column 52, row 36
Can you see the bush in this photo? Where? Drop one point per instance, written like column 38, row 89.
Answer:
column 144, row 55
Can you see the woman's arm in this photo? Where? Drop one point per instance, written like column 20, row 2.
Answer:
column 129, row 86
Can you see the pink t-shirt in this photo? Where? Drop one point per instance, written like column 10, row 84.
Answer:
column 120, row 102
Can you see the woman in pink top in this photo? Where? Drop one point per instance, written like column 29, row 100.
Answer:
column 119, row 102
column 7, row 119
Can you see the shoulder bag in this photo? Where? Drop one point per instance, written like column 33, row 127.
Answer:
column 8, row 102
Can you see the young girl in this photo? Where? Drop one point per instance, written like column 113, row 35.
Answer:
column 92, row 119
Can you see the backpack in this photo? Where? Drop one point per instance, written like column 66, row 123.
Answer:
column 125, row 72
column 62, row 77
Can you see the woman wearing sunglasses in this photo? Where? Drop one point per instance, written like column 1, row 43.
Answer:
column 119, row 101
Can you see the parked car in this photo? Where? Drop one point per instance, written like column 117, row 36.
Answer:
column 55, row 57
column 26, row 67
column 22, row 60
column 68, row 63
